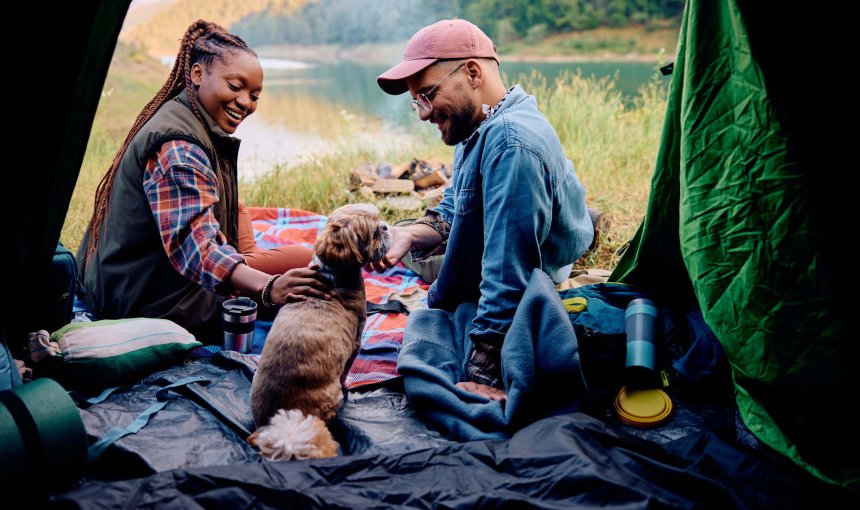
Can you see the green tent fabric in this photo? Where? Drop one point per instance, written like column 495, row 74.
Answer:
column 732, row 223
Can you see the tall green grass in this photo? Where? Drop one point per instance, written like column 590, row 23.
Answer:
column 613, row 143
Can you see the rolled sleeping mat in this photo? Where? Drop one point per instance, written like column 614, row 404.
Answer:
column 42, row 437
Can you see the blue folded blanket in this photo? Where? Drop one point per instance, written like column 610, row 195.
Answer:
column 541, row 366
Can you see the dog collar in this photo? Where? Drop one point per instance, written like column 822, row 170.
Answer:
column 348, row 279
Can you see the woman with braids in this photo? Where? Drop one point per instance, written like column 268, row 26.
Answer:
column 167, row 238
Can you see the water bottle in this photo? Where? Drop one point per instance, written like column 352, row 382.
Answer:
column 641, row 319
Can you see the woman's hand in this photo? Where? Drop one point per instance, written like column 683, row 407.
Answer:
column 299, row 284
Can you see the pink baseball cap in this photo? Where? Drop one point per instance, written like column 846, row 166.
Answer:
column 446, row 39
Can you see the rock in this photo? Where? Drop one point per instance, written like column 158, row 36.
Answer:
column 431, row 197
column 363, row 175
column 397, row 172
column 393, row 186
column 434, row 178
column 403, row 203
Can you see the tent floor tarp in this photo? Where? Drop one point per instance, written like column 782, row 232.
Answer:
column 193, row 453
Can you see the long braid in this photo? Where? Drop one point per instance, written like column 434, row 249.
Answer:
column 213, row 46
column 202, row 43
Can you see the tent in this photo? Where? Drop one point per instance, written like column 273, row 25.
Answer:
column 743, row 219
column 738, row 218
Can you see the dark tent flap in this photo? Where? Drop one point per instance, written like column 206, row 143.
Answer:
column 35, row 211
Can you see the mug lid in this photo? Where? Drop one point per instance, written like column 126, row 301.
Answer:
column 239, row 306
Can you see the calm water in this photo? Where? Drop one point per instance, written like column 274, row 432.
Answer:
column 306, row 108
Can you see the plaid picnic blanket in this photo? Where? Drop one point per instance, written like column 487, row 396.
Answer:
column 383, row 333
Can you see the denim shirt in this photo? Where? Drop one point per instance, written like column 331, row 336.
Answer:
column 515, row 204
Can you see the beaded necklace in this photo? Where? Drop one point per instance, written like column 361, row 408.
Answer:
column 489, row 111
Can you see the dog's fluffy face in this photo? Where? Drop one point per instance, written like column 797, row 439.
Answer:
column 353, row 236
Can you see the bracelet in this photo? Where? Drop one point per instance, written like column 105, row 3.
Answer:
column 266, row 295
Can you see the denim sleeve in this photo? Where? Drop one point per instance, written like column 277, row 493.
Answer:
column 518, row 198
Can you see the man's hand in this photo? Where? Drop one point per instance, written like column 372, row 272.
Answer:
column 401, row 243
column 483, row 390
column 298, row 284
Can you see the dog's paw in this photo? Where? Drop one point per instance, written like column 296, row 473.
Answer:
column 292, row 435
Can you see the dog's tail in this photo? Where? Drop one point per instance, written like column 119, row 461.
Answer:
column 293, row 435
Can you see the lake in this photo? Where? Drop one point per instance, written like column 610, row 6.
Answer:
column 305, row 108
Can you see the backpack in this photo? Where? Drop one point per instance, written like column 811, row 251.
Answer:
column 61, row 290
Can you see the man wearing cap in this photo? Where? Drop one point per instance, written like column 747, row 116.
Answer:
column 515, row 203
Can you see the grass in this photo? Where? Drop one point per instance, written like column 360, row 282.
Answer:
column 613, row 145
column 612, row 142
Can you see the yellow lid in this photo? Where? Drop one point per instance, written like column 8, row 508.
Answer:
column 643, row 408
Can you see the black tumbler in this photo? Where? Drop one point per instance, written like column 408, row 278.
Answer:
column 239, row 318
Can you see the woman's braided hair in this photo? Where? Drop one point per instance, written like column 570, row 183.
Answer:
column 202, row 43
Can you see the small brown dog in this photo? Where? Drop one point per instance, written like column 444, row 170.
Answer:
column 299, row 384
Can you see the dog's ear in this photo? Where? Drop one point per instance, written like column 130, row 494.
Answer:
column 338, row 245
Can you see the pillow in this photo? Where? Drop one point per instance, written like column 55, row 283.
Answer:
column 112, row 352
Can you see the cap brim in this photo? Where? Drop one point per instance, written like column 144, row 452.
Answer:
column 393, row 81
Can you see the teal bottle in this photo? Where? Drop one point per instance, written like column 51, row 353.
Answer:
column 641, row 325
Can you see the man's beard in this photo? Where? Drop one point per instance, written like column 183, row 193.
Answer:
column 460, row 125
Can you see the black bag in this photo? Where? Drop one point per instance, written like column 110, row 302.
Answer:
column 62, row 286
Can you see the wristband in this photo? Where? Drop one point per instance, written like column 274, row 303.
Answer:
column 266, row 295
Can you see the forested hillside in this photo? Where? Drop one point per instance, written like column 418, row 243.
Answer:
column 349, row 22
column 356, row 21
column 161, row 32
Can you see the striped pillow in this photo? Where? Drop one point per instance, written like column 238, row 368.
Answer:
column 110, row 352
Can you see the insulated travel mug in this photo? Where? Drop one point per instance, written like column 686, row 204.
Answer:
column 239, row 318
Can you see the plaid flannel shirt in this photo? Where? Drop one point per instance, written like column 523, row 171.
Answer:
column 182, row 187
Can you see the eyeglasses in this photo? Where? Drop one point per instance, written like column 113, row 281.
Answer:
column 422, row 102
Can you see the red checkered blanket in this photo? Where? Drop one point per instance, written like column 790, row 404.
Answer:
column 383, row 333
